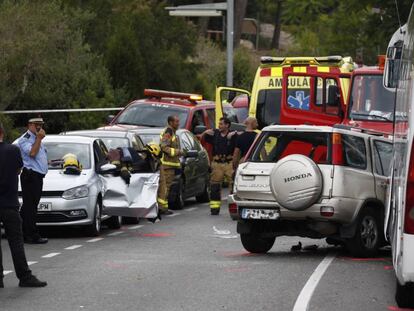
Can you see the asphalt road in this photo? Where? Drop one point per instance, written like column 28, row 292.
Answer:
column 192, row 261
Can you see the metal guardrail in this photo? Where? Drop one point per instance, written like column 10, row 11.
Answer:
column 61, row 110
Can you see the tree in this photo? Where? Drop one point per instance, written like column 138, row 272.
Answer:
column 45, row 63
column 239, row 13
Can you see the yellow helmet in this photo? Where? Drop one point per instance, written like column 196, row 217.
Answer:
column 71, row 165
column 154, row 148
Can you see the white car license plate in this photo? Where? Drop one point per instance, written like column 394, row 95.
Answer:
column 44, row 207
column 249, row 213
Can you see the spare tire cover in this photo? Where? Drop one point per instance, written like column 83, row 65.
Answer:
column 296, row 182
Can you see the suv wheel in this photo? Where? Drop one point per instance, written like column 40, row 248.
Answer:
column 94, row 229
column 368, row 235
column 254, row 243
column 404, row 295
column 205, row 195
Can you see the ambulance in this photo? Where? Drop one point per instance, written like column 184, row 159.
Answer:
column 295, row 90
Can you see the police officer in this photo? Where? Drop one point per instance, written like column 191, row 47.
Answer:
column 170, row 162
column 34, row 170
column 244, row 141
column 10, row 166
column 223, row 142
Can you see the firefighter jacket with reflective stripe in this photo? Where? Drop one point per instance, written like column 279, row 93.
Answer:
column 170, row 148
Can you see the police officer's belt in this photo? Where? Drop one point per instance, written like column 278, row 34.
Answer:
column 31, row 172
column 222, row 158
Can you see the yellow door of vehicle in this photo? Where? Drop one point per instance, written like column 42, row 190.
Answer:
column 221, row 99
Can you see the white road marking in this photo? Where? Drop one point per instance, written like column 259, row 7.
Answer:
column 50, row 255
column 5, row 272
column 29, row 263
column 191, row 209
column 135, row 227
column 303, row 300
column 174, row 215
column 226, row 236
column 73, row 247
column 220, row 232
column 115, row 233
column 95, row 240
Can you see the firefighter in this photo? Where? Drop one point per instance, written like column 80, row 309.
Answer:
column 223, row 142
column 170, row 162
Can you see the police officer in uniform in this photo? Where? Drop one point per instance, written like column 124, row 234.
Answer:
column 170, row 162
column 223, row 142
column 35, row 167
column 10, row 166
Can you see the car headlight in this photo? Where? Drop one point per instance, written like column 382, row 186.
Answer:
column 76, row 193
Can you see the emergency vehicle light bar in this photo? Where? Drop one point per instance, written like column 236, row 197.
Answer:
column 335, row 59
column 167, row 94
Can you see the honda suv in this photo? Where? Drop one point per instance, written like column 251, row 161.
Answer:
column 316, row 182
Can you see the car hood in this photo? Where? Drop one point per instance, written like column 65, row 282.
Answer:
column 55, row 180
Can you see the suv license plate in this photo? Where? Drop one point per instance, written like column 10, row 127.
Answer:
column 44, row 207
column 248, row 213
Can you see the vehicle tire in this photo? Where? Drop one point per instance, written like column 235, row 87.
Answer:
column 94, row 229
column 130, row 220
column 114, row 222
column 204, row 197
column 404, row 295
column 177, row 201
column 254, row 243
column 368, row 235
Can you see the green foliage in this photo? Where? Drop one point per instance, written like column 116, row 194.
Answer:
column 11, row 132
column 342, row 27
column 47, row 64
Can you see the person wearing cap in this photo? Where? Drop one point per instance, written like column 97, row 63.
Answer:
column 10, row 166
column 34, row 170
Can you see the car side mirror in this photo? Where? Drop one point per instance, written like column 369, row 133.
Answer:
column 200, row 129
column 333, row 97
column 110, row 118
column 107, row 168
column 192, row 154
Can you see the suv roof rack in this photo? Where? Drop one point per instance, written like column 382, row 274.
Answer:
column 333, row 60
column 178, row 95
column 358, row 129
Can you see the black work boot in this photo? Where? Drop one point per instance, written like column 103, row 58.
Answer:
column 1, row 283
column 215, row 211
column 32, row 281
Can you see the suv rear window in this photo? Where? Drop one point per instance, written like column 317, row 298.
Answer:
column 273, row 146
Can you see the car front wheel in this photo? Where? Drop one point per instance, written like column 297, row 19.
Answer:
column 94, row 229
column 254, row 243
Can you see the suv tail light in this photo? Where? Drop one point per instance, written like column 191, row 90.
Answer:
column 233, row 208
column 337, row 152
column 409, row 200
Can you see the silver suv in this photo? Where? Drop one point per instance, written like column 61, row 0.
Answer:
column 313, row 181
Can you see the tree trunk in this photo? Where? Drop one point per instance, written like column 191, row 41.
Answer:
column 239, row 13
column 276, row 32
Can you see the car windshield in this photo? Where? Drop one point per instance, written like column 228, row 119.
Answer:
column 370, row 100
column 56, row 152
column 153, row 115
column 148, row 138
column 115, row 142
column 273, row 146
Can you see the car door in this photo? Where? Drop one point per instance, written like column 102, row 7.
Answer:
column 201, row 164
column 382, row 154
column 190, row 165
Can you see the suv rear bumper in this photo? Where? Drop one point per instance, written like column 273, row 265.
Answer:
column 345, row 209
